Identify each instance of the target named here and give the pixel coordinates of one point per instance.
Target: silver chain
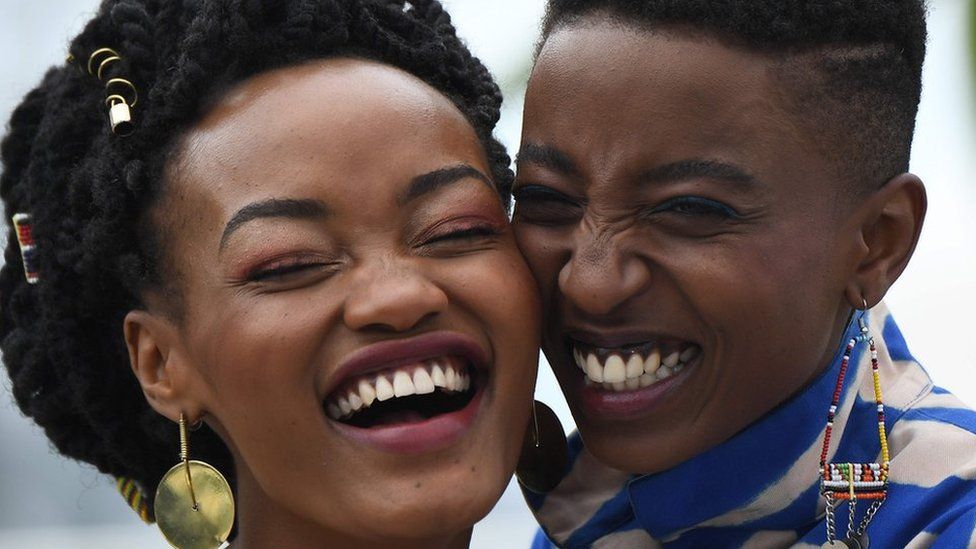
(831, 530)
(851, 509)
(869, 516)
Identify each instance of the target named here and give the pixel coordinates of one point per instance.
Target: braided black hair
(89, 192)
(851, 69)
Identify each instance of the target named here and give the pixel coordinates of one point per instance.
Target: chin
(432, 511)
(640, 448)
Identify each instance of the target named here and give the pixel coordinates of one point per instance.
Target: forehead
(337, 128)
(624, 90)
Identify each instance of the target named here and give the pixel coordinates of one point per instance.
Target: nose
(392, 296)
(600, 276)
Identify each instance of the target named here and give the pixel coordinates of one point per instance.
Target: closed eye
(469, 233)
(695, 206)
(543, 205)
(282, 270)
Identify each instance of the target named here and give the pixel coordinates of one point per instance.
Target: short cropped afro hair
(851, 69)
(88, 191)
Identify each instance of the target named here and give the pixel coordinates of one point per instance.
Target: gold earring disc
(184, 527)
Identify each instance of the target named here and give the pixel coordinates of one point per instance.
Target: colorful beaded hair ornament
(853, 482)
(28, 251)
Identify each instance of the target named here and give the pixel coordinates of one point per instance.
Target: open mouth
(406, 394)
(632, 367)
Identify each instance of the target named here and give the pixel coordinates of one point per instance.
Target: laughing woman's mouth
(406, 394)
(634, 366)
(630, 380)
(414, 395)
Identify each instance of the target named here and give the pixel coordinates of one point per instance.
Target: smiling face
(684, 234)
(358, 324)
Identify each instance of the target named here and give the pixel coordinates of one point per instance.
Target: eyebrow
(547, 157)
(695, 169)
(274, 207)
(432, 181)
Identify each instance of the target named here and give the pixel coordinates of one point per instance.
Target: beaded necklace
(852, 482)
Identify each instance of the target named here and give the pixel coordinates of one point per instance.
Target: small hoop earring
(194, 505)
(545, 454)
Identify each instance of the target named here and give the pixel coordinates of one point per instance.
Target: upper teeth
(448, 374)
(636, 371)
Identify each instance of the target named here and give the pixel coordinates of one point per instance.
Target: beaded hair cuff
(28, 251)
(134, 497)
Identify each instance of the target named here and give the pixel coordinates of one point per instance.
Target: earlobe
(157, 363)
(890, 224)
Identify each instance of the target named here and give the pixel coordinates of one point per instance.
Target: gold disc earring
(194, 505)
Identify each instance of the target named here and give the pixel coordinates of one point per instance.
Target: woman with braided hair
(283, 222)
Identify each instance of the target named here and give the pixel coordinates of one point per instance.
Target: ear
(890, 221)
(158, 362)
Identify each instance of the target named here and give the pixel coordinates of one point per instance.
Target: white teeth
(635, 366)
(614, 371)
(437, 376)
(636, 372)
(384, 391)
(653, 362)
(344, 406)
(354, 401)
(447, 375)
(422, 382)
(593, 369)
(647, 380)
(403, 385)
(579, 360)
(366, 392)
(334, 411)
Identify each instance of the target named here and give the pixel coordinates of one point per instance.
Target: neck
(264, 523)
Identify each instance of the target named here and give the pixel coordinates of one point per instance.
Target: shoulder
(933, 472)
(933, 440)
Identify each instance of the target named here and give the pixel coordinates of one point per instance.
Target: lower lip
(613, 405)
(436, 433)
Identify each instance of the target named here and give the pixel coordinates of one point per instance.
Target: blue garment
(761, 487)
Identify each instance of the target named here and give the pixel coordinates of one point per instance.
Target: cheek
(545, 252)
(259, 352)
(499, 289)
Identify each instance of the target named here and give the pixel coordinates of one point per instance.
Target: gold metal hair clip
(122, 94)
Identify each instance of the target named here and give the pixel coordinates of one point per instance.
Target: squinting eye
(468, 233)
(544, 206)
(695, 206)
(281, 270)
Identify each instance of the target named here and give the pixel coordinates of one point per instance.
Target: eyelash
(281, 269)
(477, 231)
(541, 193)
(542, 205)
(703, 206)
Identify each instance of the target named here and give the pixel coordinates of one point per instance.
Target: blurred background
(49, 502)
